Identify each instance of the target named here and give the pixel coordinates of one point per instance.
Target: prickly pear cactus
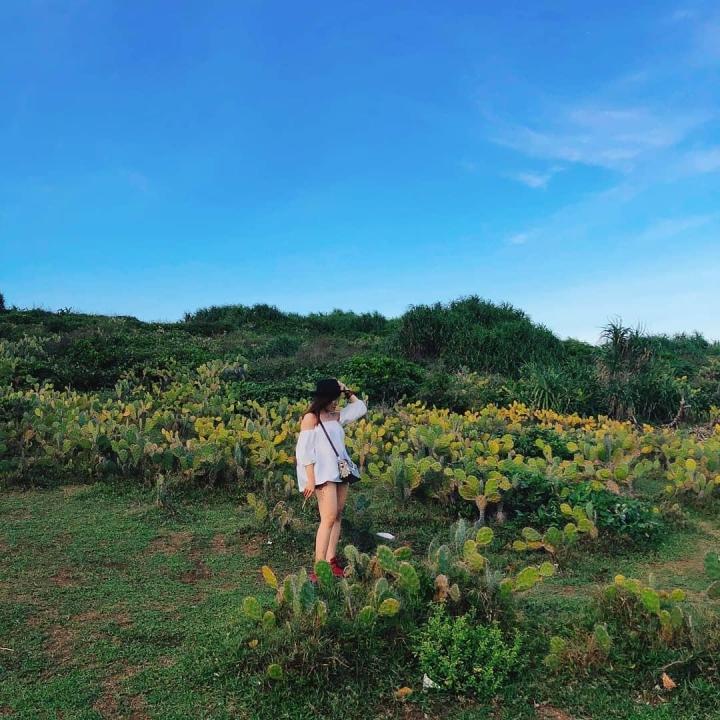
(407, 578)
(602, 637)
(251, 608)
(387, 559)
(556, 652)
(324, 573)
(661, 604)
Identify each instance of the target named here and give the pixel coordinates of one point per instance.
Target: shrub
(280, 345)
(464, 389)
(269, 318)
(525, 442)
(585, 650)
(569, 386)
(266, 392)
(477, 334)
(530, 494)
(383, 378)
(642, 614)
(619, 514)
(463, 656)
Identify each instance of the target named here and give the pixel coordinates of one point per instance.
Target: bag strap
(328, 437)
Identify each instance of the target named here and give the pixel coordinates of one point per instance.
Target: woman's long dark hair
(318, 404)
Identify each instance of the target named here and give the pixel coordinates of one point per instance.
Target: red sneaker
(337, 569)
(312, 577)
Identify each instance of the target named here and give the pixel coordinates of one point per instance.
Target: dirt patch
(548, 712)
(59, 644)
(35, 621)
(138, 708)
(252, 548)
(709, 528)
(171, 611)
(64, 577)
(42, 616)
(219, 545)
(90, 616)
(26, 599)
(199, 571)
(70, 490)
(691, 565)
(120, 618)
(107, 704)
(410, 712)
(169, 544)
(6, 711)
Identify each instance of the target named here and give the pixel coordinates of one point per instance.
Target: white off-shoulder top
(313, 447)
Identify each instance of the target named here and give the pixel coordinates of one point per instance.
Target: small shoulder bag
(348, 470)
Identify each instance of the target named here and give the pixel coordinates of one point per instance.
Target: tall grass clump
(476, 334)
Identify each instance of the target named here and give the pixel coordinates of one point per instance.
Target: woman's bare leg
(342, 491)
(327, 498)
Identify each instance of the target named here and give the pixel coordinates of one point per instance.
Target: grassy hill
(459, 355)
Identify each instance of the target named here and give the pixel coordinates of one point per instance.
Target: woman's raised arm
(354, 410)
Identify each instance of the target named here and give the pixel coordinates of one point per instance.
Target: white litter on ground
(386, 536)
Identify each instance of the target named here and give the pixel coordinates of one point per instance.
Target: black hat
(327, 388)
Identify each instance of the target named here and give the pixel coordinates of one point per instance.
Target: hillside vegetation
(461, 356)
(552, 509)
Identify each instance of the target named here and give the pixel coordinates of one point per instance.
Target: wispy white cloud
(615, 138)
(674, 227)
(653, 126)
(706, 160)
(535, 179)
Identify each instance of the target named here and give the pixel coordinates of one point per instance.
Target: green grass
(113, 608)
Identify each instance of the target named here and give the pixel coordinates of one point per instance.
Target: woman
(317, 464)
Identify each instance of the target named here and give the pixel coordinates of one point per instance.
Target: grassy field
(111, 607)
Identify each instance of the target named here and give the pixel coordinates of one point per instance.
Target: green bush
(525, 442)
(383, 378)
(619, 514)
(464, 390)
(268, 318)
(293, 389)
(465, 657)
(477, 334)
(530, 494)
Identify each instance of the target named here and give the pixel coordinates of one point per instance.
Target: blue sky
(562, 156)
